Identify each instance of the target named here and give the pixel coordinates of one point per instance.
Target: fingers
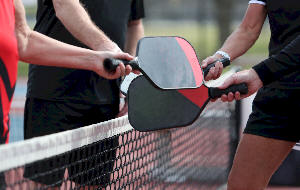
(128, 69)
(207, 61)
(232, 80)
(125, 56)
(122, 69)
(116, 74)
(231, 97)
(214, 72)
(125, 70)
(218, 69)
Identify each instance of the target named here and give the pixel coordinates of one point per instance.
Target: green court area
(203, 37)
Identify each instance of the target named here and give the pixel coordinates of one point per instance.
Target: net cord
(24, 152)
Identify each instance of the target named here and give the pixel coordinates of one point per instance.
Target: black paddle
(151, 108)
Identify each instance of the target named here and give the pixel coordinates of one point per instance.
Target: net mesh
(112, 155)
(196, 156)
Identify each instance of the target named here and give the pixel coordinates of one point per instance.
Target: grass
(202, 37)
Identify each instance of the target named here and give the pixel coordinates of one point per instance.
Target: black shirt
(282, 68)
(52, 83)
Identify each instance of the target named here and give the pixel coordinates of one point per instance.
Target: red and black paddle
(169, 62)
(151, 108)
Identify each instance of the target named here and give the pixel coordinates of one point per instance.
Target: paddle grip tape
(110, 64)
(217, 93)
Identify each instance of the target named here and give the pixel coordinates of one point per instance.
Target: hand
(249, 77)
(121, 70)
(214, 72)
(113, 47)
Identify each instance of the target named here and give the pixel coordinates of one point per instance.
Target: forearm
(277, 66)
(243, 38)
(239, 42)
(42, 50)
(75, 18)
(134, 33)
(36, 48)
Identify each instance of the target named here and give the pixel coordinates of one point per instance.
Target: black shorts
(43, 117)
(275, 114)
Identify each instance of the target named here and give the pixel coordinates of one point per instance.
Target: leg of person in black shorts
(47, 117)
(269, 136)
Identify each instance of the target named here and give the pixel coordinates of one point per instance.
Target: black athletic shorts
(275, 114)
(43, 117)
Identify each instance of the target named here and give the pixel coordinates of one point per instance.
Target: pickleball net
(112, 155)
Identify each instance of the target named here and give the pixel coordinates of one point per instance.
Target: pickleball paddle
(151, 108)
(169, 62)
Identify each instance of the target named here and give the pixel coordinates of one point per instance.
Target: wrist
(96, 61)
(264, 71)
(223, 54)
(256, 77)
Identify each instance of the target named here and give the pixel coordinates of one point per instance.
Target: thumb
(227, 83)
(125, 56)
(233, 79)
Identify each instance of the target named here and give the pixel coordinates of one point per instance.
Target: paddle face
(169, 62)
(151, 108)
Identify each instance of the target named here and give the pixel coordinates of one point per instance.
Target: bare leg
(256, 160)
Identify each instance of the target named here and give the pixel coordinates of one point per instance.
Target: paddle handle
(217, 93)
(224, 61)
(110, 64)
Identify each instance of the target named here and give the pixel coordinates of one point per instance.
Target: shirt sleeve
(137, 10)
(262, 2)
(276, 66)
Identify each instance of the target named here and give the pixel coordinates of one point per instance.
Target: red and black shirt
(8, 64)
